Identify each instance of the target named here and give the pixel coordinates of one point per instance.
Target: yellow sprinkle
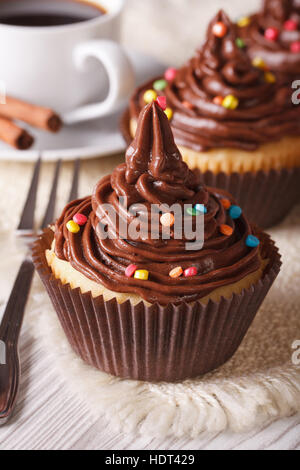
(150, 96)
(270, 77)
(73, 227)
(258, 63)
(169, 113)
(230, 102)
(141, 274)
(244, 21)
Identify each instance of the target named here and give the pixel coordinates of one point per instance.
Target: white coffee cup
(69, 68)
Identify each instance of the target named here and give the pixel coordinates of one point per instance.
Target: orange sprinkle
(225, 203)
(176, 272)
(226, 230)
(219, 29)
(218, 100)
(187, 105)
(167, 220)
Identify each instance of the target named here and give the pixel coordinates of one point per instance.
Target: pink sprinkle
(295, 47)
(272, 34)
(190, 272)
(291, 25)
(170, 74)
(80, 219)
(130, 270)
(162, 102)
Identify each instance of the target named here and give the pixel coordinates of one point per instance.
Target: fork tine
(27, 217)
(49, 214)
(74, 189)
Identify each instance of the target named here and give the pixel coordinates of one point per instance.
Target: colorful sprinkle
(219, 29)
(190, 272)
(192, 211)
(149, 96)
(271, 34)
(160, 85)
(130, 270)
(80, 219)
(226, 230)
(259, 63)
(187, 105)
(218, 100)
(73, 227)
(200, 208)
(167, 220)
(170, 74)
(295, 47)
(225, 203)
(235, 212)
(230, 102)
(240, 43)
(252, 241)
(162, 102)
(290, 25)
(244, 21)
(176, 272)
(141, 274)
(270, 77)
(169, 113)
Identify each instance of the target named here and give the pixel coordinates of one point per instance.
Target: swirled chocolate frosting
(277, 53)
(154, 173)
(221, 68)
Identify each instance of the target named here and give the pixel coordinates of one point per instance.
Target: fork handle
(9, 336)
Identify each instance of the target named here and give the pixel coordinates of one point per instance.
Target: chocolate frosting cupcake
(273, 35)
(150, 307)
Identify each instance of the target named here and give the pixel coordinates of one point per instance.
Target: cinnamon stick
(36, 116)
(14, 135)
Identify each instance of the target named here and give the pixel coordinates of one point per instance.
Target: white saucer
(91, 139)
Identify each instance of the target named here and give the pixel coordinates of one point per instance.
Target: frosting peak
(154, 169)
(218, 50)
(153, 150)
(222, 54)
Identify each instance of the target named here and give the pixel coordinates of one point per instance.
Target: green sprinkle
(192, 211)
(240, 43)
(160, 85)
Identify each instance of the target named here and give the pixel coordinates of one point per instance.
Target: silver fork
(14, 313)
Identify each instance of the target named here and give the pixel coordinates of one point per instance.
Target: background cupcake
(147, 307)
(233, 121)
(273, 36)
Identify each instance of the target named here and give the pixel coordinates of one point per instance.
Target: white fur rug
(259, 384)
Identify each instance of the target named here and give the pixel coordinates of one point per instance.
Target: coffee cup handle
(120, 73)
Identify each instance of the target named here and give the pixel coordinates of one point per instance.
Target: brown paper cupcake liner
(157, 343)
(265, 196)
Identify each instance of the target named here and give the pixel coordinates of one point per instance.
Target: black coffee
(47, 12)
